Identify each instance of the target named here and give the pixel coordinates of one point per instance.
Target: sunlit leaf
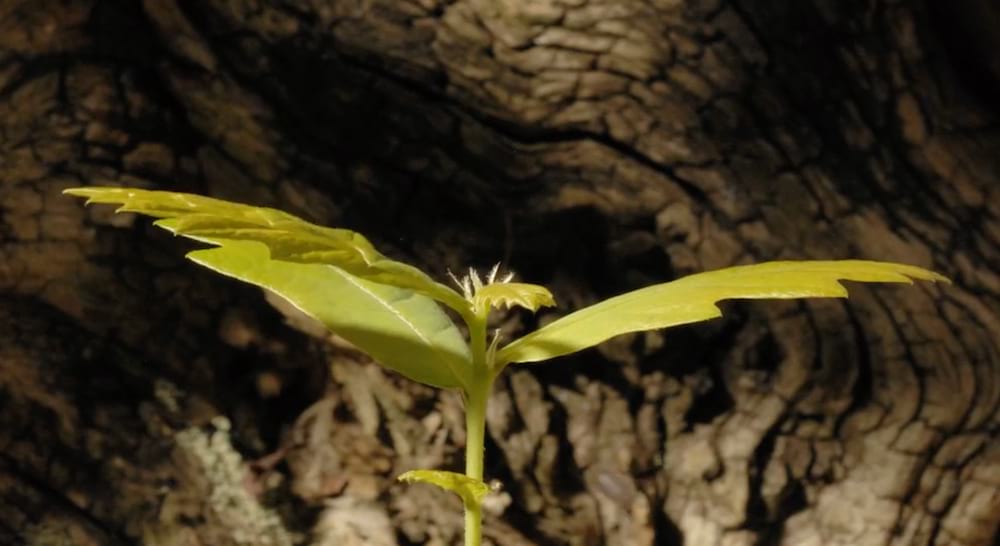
(529, 296)
(469, 489)
(401, 329)
(287, 237)
(694, 298)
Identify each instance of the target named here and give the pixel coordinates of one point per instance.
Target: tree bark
(596, 146)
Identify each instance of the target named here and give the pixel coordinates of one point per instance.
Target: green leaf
(693, 299)
(469, 489)
(404, 331)
(509, 294)
(287, 237)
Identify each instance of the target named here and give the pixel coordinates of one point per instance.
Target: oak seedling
(393, 311)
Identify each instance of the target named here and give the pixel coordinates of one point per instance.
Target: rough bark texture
(594, 145)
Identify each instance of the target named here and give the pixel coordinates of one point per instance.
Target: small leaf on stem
(470, 490)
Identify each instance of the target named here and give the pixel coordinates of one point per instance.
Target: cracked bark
(596, 146)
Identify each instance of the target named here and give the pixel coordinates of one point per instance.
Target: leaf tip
(937, 277)
(80, 192)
